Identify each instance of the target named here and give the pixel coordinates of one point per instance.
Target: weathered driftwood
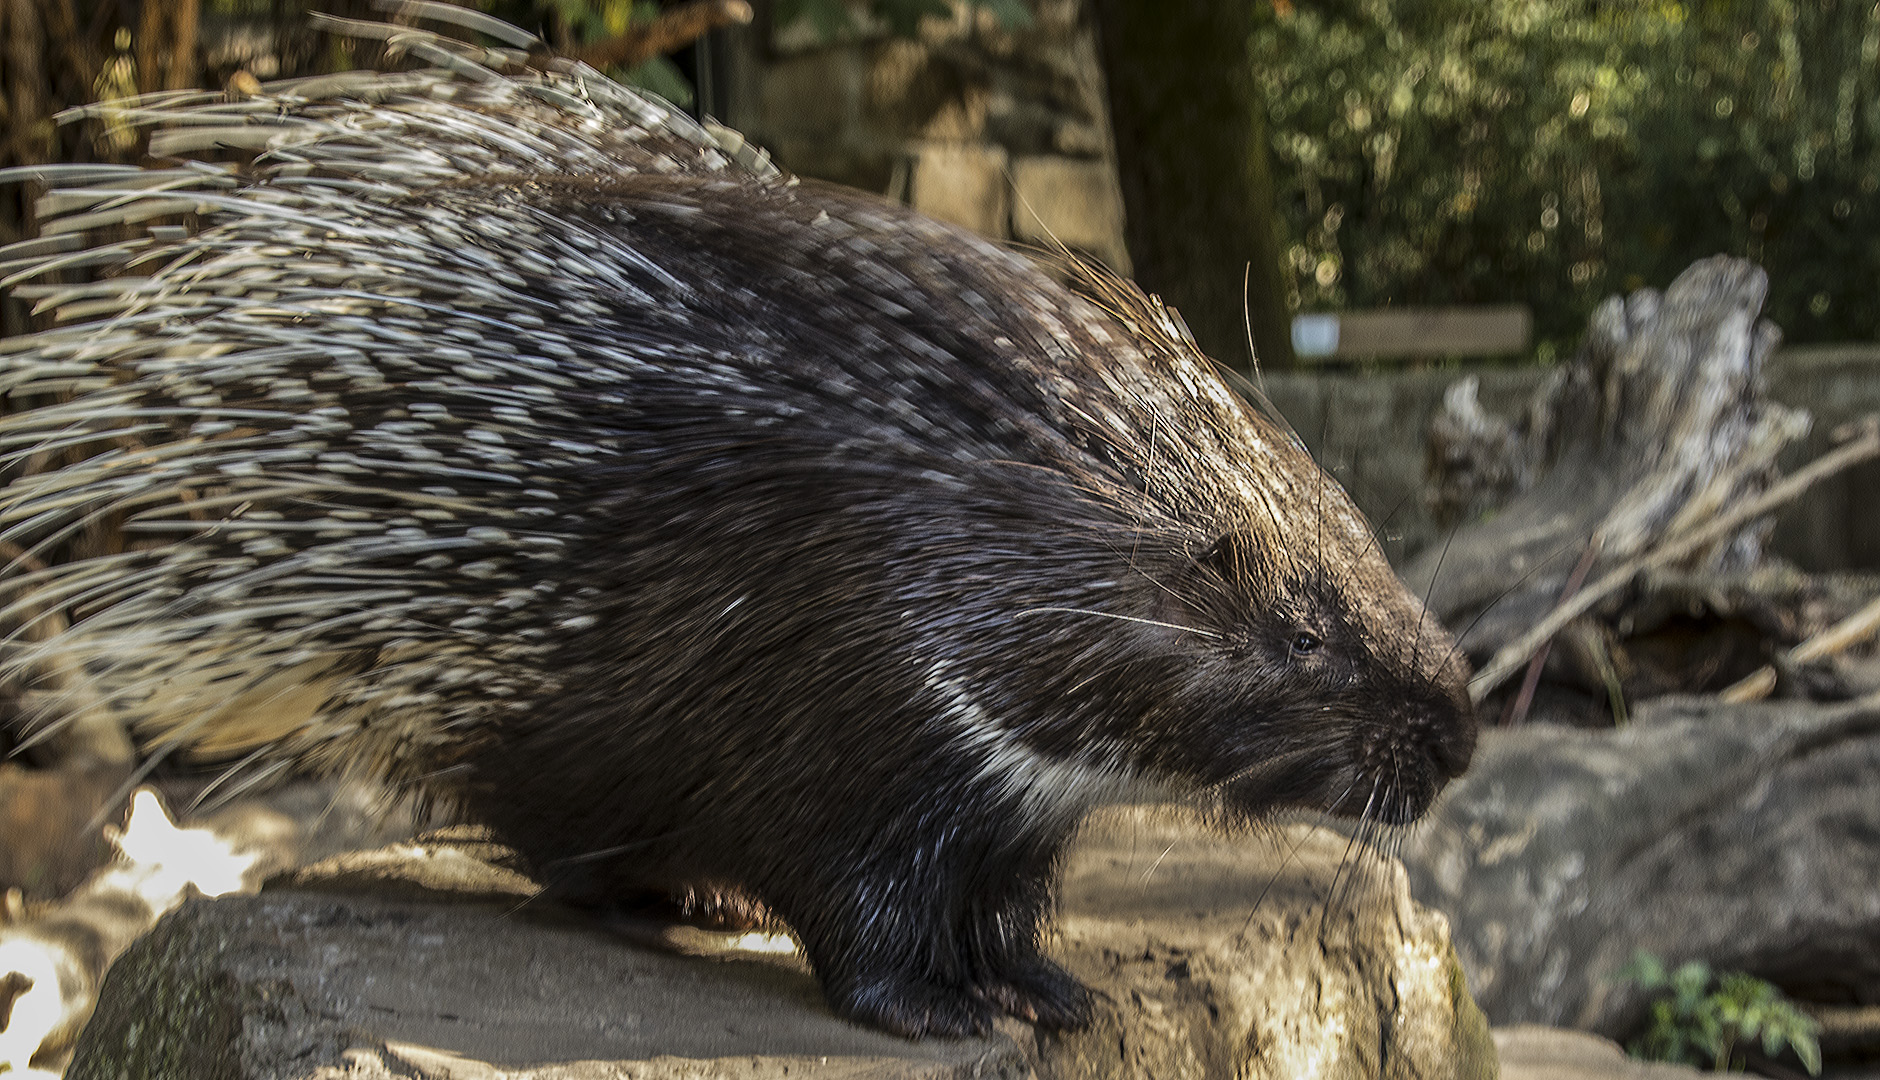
(1653, 450)
(1669, 551)
(1856, 628)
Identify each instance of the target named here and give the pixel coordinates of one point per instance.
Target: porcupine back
(512, 438)
(362, 359)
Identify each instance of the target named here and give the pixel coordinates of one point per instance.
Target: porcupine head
(516, 441)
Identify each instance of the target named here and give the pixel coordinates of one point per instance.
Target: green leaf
(1708, 1033)
(903, 16)
(1012, 14)
(1789, 1025)
(1774, 1038)
(1689, 983)
(1645, 969)
(1808, 1048)
(661, 77)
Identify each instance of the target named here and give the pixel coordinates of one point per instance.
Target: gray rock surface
(1746, 836)
(1218, 957)
(292, 984)
(1530, 1052)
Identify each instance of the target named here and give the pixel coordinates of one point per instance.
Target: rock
(298, 984)
(1217, 956)
(1530, 1052)
(1745, 836)
(1224, 957)
(50, 820)
(53, 954)
(963, 183)
(1072, 202)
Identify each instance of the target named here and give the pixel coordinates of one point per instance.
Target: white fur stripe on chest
(1044, 785)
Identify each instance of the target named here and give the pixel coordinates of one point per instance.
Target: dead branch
(1850, 631)
(672, 30)
(1512, 656)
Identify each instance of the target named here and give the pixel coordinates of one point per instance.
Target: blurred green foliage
(1702, 1018)
(834, 18)
(1555, 151)
(588, 21)
(596, 20)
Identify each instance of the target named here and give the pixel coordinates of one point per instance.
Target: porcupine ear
(1225, 557)
(1209, 587)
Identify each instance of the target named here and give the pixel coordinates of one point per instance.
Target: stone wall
(1006, 132)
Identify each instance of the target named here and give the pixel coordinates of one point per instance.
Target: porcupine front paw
(915, 1009)
(1036, 990)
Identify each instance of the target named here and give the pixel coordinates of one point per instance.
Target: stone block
(964, 183)
(1075, 202)
(812, 96)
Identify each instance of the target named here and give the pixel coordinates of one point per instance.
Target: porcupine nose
(1449, 729)
(1444, 718)
(1438, 725)
(1452, 748)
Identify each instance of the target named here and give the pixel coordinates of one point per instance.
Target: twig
(1518, 706)
(1755, 686)
(1761, 683)
(1855, 628)
(672, 30)
(1853, 1027)
(1510, 657)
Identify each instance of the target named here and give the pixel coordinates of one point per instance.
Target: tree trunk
(1193, 161)
(166, 45)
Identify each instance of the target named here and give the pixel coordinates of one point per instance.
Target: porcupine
(513, 439)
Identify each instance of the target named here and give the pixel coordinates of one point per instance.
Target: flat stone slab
(1533, 1052)
(1214, 956)
(271, 985)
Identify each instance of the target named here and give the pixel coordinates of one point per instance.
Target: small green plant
(1702, 1017)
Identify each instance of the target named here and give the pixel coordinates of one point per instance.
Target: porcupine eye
(1305, 643)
